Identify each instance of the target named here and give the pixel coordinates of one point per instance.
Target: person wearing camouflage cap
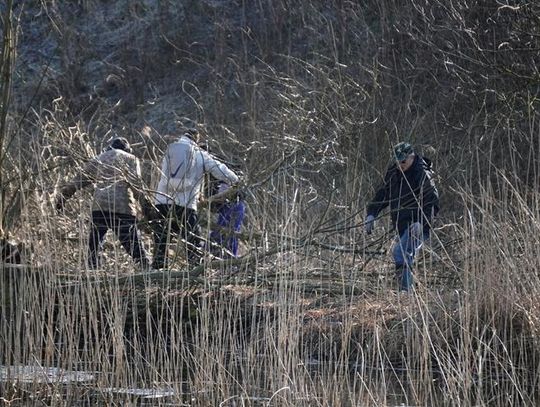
(410, 191)
(116, 175)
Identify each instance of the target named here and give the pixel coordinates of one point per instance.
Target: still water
(38, 385)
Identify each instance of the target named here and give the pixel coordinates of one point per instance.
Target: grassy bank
(294, 329)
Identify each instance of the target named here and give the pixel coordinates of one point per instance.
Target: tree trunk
(6, 70)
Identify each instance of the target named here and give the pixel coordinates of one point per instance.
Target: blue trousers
(404, 251)
(230, 218)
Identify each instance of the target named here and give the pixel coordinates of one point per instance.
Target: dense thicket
(304, 98)
(328, 84)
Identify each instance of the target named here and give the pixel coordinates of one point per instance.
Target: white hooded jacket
(182, 173)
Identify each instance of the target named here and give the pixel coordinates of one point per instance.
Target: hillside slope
(349, 76)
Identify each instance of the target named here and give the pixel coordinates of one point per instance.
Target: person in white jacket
(180, 186)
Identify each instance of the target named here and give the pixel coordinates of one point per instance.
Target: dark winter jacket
(412, 195)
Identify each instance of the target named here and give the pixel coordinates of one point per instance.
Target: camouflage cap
(402, 151)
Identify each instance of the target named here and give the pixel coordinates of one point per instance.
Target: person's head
(404, 155)
(121, 143)
(192, 134)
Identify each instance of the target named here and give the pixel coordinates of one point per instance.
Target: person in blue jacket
(410, 192)
(230, 216)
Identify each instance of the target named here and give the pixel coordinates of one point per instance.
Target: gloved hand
(369, 224)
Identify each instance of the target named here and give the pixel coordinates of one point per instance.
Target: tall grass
(305, 326)
(306, 100)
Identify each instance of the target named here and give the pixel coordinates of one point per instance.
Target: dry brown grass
(305, 99)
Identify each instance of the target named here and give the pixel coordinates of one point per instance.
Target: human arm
(369, 224)
(430, 196)
(139, 187)
(219, 169)
(382, 195)
(80, 181)
(378, 203)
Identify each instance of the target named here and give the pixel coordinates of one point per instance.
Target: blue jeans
(404, 252)
(230, 218)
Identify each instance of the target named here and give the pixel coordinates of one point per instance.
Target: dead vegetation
(304, 99)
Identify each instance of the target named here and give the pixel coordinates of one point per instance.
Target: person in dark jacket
(410, 191)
